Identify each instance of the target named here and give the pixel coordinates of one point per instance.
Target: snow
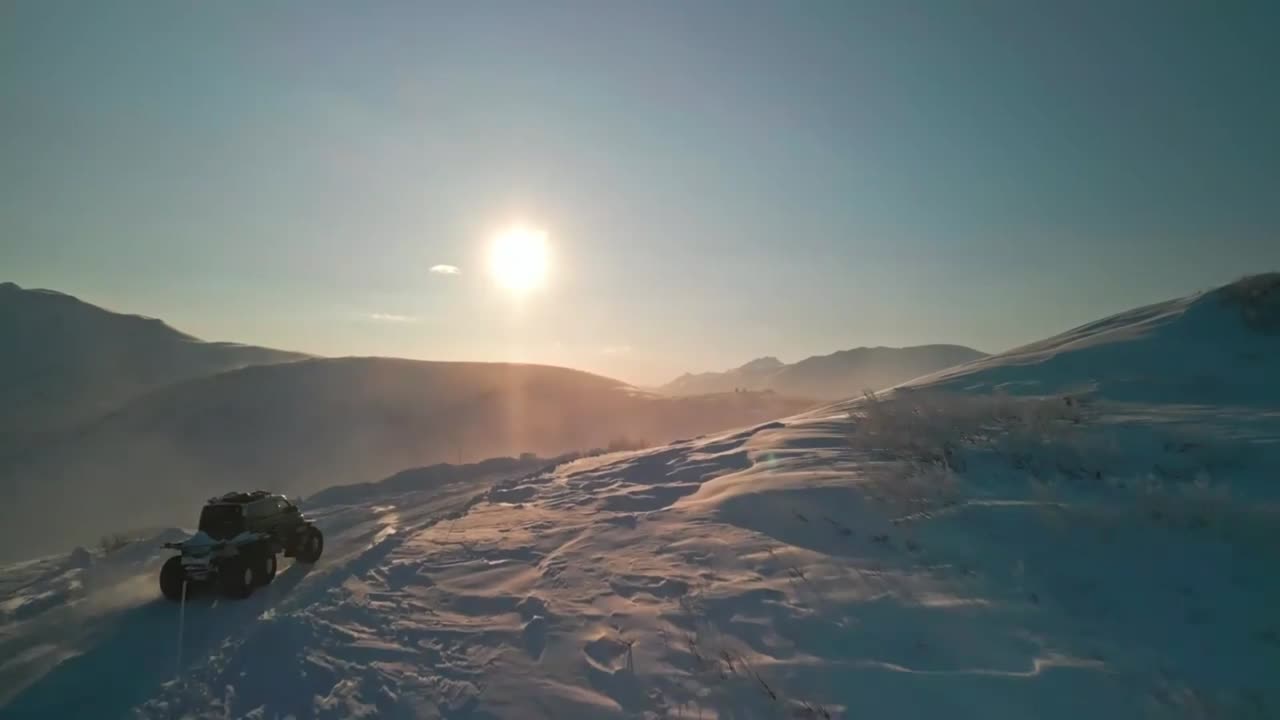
(1218, 347)
(301, 427)
(930, 552)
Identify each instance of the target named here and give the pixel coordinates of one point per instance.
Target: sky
(717, 180)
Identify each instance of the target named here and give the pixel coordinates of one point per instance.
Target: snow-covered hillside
(918, 555)
(786, 570)
(84, 636)
(301, 426)
(1217, 347)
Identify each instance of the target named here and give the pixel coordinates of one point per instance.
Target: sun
(519, 259)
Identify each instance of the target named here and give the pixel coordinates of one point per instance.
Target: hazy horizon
(785, 359)
(716, 182)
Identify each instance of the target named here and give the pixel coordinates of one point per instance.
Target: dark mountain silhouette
(63, 361)
(113, 418)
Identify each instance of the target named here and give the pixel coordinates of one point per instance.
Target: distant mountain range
(1162, 493)
(107, 415)
(829, 377)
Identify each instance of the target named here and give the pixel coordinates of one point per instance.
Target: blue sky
(718, 180)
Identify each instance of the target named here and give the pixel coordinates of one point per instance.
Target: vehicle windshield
(221, 521)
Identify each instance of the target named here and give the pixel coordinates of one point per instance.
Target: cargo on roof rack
(238, 497)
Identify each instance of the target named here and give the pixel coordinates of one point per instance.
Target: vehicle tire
(267, 563)
(310, 545)
(172, 576)
(238, 576)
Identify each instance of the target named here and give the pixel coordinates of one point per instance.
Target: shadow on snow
(137, 653)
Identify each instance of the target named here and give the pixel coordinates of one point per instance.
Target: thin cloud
(391, 318)
(446, 270)
(616, 349)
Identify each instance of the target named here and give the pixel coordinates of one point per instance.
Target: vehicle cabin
(228, 515)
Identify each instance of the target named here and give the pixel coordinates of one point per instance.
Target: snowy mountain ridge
(1218, 347)
(934, 551)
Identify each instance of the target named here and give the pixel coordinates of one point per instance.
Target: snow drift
(926, 553)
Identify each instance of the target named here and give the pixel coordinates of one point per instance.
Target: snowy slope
(100, 617)
(302, 426)
(779, 571)
(1218, 347)
(919, 555)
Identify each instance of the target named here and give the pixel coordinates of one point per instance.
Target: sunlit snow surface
(918, 556)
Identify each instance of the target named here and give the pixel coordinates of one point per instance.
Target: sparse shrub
(1043, 437)
(80, 558)
(1258, 298)
(928, 427)
(1046, 447)
(621, 444)
(111, 543)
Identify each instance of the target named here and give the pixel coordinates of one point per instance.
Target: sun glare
(519, 259)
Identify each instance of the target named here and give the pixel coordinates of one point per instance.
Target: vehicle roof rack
(236, 497)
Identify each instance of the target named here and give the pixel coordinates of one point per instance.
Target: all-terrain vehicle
(236, 545)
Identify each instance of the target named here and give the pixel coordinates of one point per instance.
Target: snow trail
(1099, 543)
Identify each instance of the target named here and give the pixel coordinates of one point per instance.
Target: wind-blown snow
(779, 571)
(300, 427)
(924, 554)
